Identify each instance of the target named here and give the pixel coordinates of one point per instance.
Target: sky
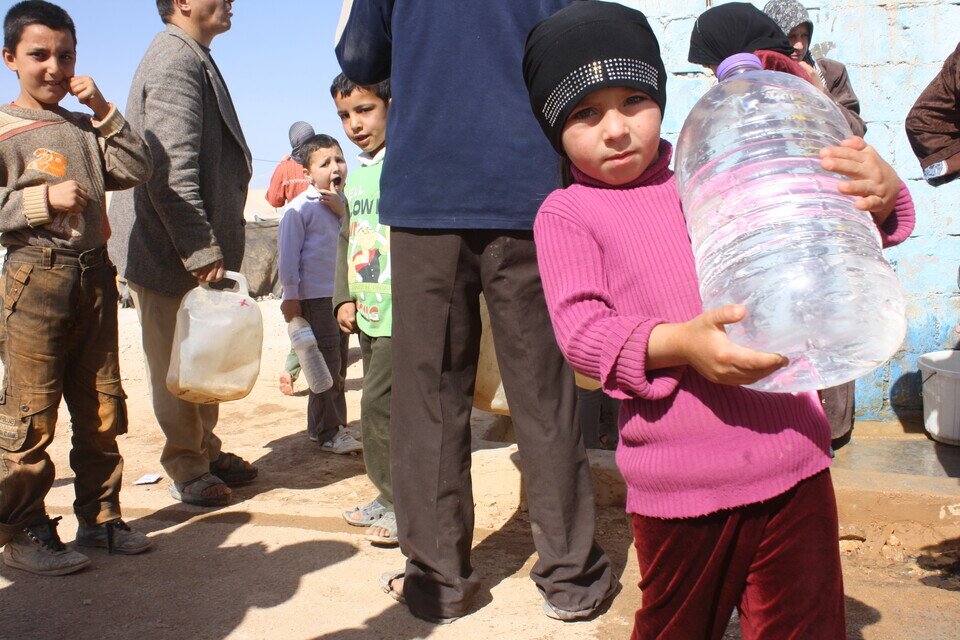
(277, 59)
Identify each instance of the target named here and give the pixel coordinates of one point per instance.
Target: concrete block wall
(892, 50)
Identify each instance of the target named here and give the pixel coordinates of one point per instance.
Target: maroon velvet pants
(777, 561)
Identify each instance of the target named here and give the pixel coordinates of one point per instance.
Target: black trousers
(437, 281)
(328, 410)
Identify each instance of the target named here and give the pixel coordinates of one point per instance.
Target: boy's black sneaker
(115, 536)
(38, 549)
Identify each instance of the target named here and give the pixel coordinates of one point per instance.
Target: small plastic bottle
(311, 360)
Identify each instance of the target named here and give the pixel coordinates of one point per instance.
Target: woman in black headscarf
(739, 27)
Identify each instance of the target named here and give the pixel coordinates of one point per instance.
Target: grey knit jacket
(190, 212)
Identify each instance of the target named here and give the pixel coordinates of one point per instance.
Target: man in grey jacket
(185, 225)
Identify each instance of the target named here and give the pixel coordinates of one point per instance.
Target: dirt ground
(281, 563)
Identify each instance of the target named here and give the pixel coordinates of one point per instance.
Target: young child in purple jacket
(308, 256)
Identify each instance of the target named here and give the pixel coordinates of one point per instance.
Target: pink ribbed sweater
(616, 262)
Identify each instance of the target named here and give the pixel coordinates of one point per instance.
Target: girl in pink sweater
(729, 488)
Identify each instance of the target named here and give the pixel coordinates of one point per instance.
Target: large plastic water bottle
(312, 364)
(771, 231)
(216, 344)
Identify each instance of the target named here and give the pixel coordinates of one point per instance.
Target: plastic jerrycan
(217, 344)
(488, 394)
(771, 231)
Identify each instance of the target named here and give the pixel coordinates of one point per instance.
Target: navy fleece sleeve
(364, 40)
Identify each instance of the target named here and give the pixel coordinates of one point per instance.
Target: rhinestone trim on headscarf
(595, 73)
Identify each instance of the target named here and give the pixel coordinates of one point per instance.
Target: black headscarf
(732, 28)
(585, 47)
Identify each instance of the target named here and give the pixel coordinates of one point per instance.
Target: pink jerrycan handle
(242, 287)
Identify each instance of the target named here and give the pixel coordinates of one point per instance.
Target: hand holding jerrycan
(771, 231)
(217, 344)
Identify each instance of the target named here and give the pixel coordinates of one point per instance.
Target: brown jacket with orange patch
(39, 149)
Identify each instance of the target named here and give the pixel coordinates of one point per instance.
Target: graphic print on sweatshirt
(369, 255)
(64, 225)
(49, 161)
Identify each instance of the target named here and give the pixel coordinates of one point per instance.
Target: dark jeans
(777, 561)
(328, 410)
(60, 340)
(437, 281)
(377, 355)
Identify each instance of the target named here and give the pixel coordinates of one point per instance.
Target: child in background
(363, 294)
(794, 19)
(308, 251)
(728, 487)
(60, 302)
(287, 182)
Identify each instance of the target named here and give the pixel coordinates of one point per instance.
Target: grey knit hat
(788, 14)
(299, 133)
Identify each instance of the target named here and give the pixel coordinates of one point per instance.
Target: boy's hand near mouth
(333, 196)
(85, 90)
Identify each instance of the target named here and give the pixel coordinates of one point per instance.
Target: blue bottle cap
(738, 61)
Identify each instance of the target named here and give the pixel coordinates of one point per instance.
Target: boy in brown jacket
(59, 319)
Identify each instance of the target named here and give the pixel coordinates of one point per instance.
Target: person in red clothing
(729, 488)
(288, 180)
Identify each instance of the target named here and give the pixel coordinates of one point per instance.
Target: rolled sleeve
(626, 370)
(35, 207)
(899, 225)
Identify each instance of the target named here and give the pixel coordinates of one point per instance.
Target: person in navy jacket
(467, 171)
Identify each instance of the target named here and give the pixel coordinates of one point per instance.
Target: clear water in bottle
(771, 231)
(312, 364)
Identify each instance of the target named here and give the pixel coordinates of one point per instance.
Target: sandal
(233, 469)
(366, 515)
(387, 522)
(386, 583)
(193, 491)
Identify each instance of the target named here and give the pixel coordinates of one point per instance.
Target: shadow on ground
(193, 584)
(294, 462)
(504, 553)
(943, 562)
(859, 616)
